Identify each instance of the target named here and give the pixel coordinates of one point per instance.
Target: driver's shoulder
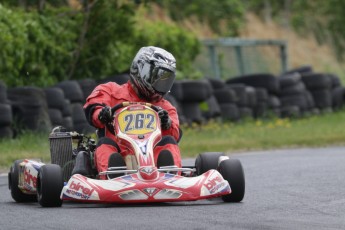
(112, 86)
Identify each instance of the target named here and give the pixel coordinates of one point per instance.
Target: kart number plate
(138, 122)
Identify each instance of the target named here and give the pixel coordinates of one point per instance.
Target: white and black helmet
(152, 72)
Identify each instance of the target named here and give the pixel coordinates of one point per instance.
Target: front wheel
(13, 181)
(206, 161)
(49, 185)
(232, 171)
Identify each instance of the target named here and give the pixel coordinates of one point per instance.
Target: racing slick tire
(49, 185)
(232, 171)
(206, 161)
(13, 179)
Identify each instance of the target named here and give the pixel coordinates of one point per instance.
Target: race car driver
(152, 75)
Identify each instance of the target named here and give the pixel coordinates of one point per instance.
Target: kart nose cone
(148, 173)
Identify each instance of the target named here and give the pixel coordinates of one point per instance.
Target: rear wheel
(232, 171)
(206, 161)
(49, 186)
(13, 180)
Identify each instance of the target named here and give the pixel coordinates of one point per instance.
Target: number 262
(139, 121)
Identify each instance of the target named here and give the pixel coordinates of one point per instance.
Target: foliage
(34, 47)
(212, 12)
(107, 48)
(33, 3)
(100, 38)
(42, 48)
(323, 19)
(183, 45)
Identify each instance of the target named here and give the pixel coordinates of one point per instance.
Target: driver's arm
(100, 97)
(174, 129)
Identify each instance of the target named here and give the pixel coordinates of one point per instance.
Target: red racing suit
(110, 94)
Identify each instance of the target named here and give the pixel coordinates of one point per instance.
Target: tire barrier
(76, 93)
(29, 108)
(119, 79)
(298, 92)
(217, 83)
(6, 116)
(261, 108)
(59, 108)
(320, 86)
(67, 110)
(301, 70)
(338, 95)
(6, 121)
(229, 112)
(225, 95)
(177, 105)
(3, 93)
(241, 94)
(290, 111)
(194, 92)
(316, 81)
(177, 91)
(55, 98)
(267, 81)
(72, 91)
(6, 132)
(212, 110)
(80, 123)
(87, 86)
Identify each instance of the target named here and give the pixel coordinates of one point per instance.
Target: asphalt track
(285, 189)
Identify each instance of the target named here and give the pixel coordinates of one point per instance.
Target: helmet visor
(162, 79)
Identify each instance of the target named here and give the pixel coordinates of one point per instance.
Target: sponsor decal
(30, 181)
(214, 184)
(76, 189)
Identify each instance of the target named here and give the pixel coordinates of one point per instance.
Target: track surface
(286, 189)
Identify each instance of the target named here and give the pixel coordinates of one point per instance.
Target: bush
(183, 45)
(59, 43)
(35, 48)
(108, 43)
(224, 17)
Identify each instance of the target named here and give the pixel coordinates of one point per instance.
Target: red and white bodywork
(137, 127)
(28, 172)
(164, 187)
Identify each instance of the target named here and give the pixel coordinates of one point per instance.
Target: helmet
(152, 73)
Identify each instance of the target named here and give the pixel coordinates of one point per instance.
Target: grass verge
(315, 131)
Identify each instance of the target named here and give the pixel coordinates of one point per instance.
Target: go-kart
(138, 180)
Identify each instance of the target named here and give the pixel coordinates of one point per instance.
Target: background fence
(228, 57)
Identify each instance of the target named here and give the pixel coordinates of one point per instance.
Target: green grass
(322, 130)
(27, 145)
(316, 131)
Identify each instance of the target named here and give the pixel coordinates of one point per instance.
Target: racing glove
(105, 115)
(165, 119)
